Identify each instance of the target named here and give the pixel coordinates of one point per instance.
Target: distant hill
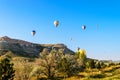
(25, 48)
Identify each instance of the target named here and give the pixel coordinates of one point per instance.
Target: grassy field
(109, 73)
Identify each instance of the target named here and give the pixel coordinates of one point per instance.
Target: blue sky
(19, 17)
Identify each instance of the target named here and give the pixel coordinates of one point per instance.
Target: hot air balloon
(83, 27)
(71, 39)
(56, 23)
(97, 26)
(33, 32)
(78, 49)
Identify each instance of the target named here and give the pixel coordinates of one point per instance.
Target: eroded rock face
(24, 48)
(19, 47)
(10, 40)
(58, 46)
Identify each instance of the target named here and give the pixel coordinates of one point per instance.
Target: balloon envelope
(83, 27)
(33, 32)
(97, 26)
(78, 49)
(56, 23)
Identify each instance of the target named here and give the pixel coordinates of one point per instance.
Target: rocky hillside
(24, 48)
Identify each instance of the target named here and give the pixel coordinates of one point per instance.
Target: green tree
(90, 64)
(103, 65)
(6, 70)
(98, 65)
(68, 65)
(49, 62)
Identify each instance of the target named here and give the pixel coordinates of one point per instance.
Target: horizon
(100, 38)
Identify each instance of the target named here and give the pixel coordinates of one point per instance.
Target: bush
(98, 65)
(23, 69)
(68, 65)
(90, 64)
(6, 70)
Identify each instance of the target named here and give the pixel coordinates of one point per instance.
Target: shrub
(90, 64)
(68, 65)
(98, 65)
(6, 70)
(23, 69)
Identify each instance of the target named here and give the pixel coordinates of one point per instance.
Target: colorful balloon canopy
(33, 32)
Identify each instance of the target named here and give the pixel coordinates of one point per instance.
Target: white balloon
(83, 27)
(56, 23)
